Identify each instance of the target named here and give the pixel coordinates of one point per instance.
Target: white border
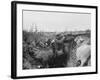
(35, 72)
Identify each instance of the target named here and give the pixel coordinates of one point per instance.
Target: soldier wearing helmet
(59, 41)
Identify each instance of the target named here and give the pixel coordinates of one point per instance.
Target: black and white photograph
(54, 39)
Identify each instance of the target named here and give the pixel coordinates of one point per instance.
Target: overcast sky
(56, 21)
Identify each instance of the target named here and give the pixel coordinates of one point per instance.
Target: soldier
(59, 41)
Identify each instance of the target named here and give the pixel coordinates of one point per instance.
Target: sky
(56, 21)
